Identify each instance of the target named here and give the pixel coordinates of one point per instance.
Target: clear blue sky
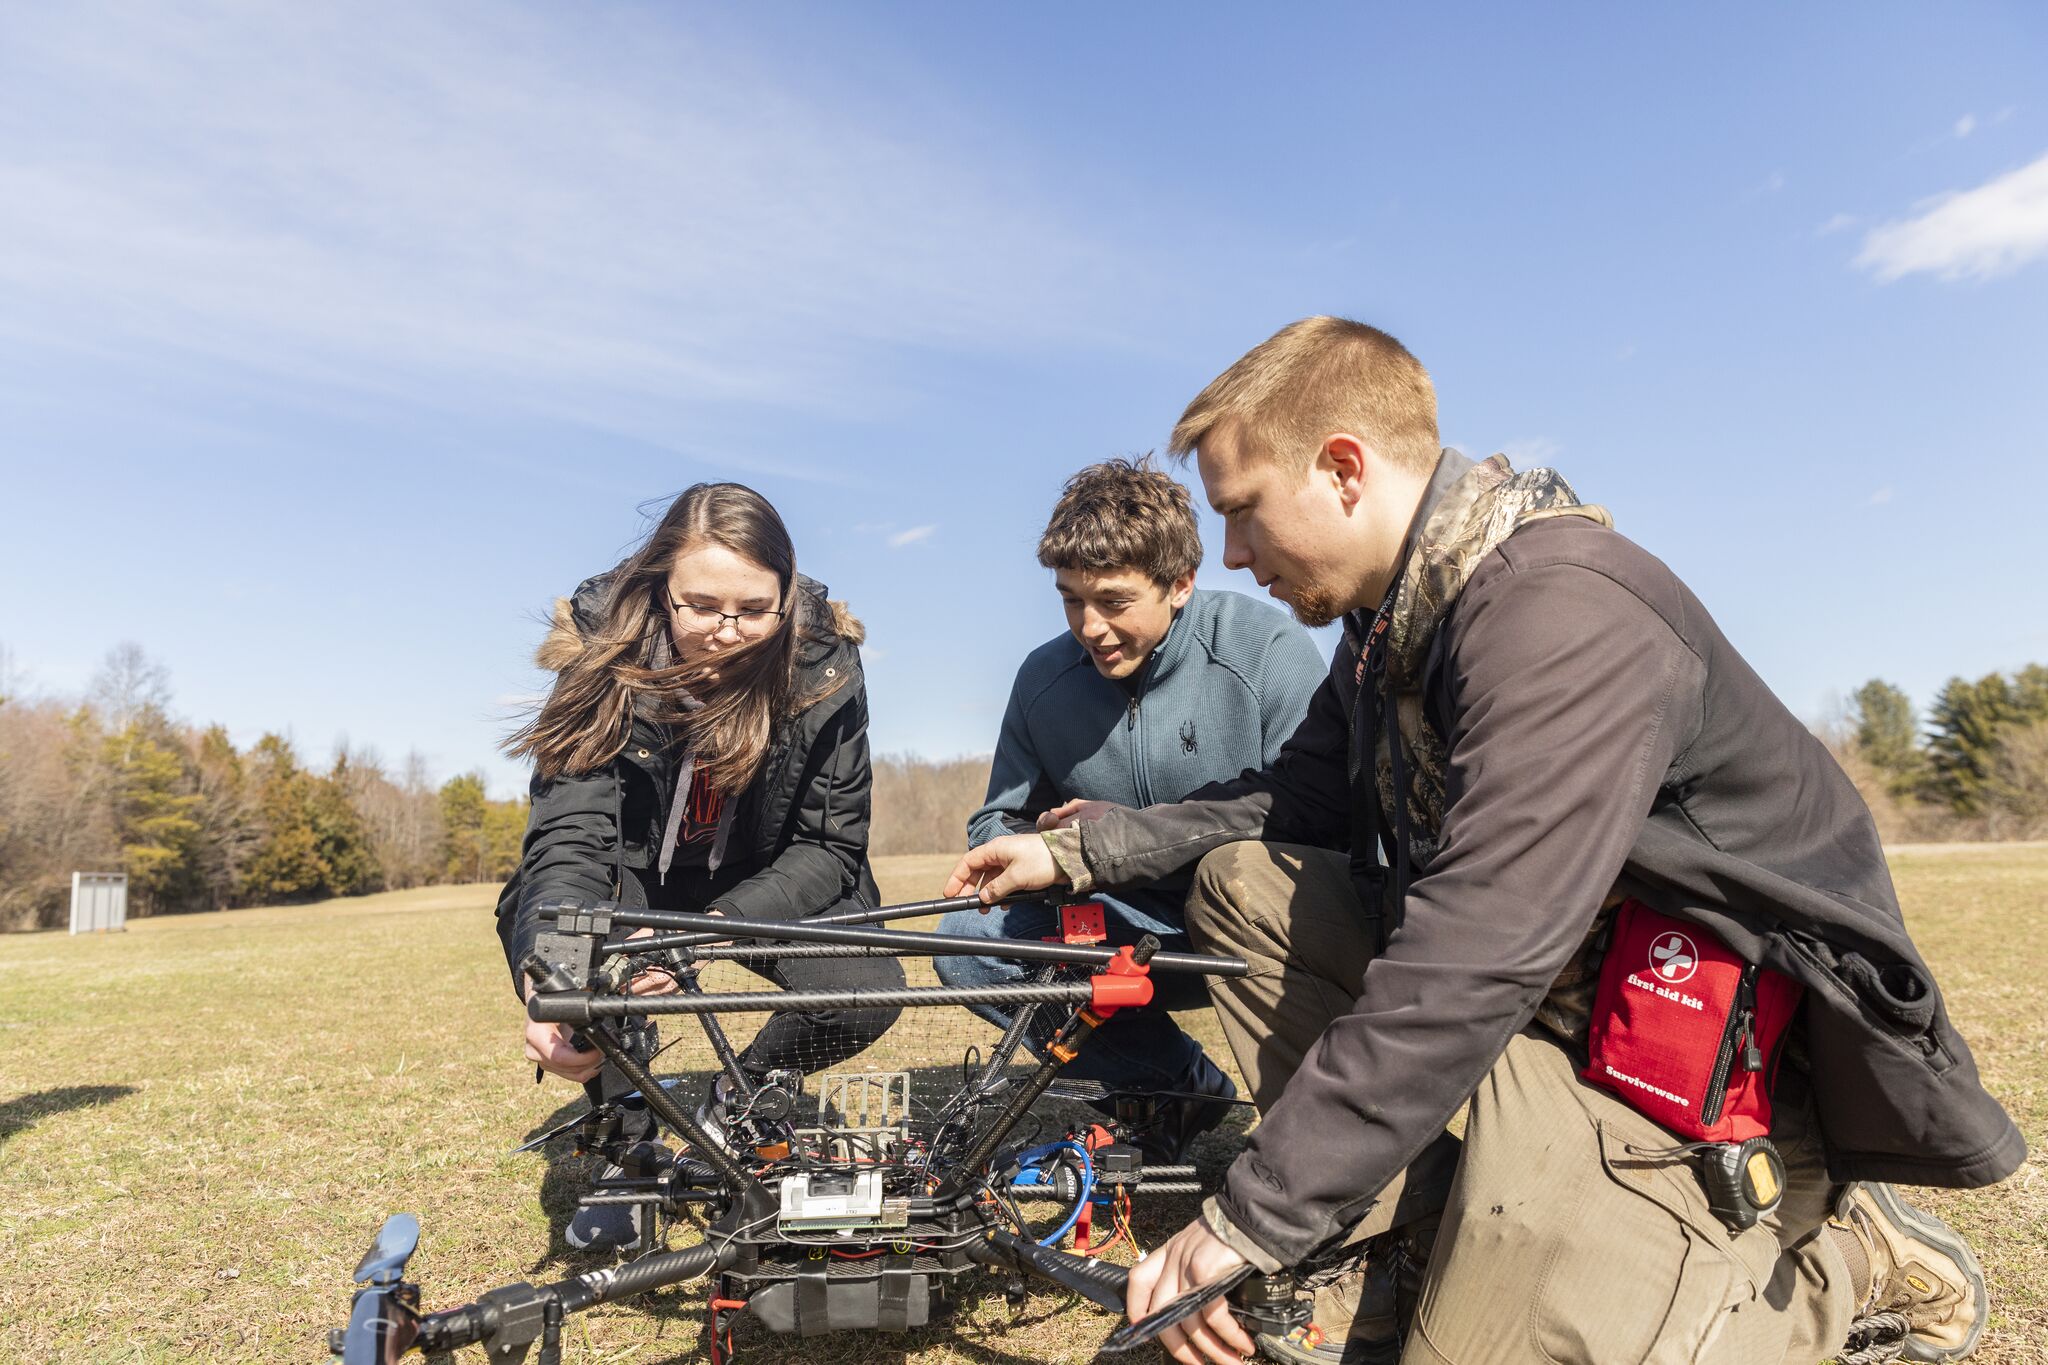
(336, 339)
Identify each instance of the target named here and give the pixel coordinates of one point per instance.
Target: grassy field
(203, 1120)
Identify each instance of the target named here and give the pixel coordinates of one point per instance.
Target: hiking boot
(1198, 1104)
(1907, 1262)
(606, 1227)
(745, 1131)
(714, 1118)
(1354, 1322)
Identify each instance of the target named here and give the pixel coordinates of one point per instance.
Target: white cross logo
(1673, 958)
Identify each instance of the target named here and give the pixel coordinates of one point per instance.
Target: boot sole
(1931, 1230)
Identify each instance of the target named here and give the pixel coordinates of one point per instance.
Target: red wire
(718, 1356)
(1116, 1234)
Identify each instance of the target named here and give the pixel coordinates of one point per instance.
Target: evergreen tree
(286, 864)
(342, 839)
(503, 833)
(1888, 737)
(1969, 719)
(465, 847)
(2030, 694)
(155, 809)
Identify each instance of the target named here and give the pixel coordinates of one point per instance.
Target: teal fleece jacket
(1219, 696)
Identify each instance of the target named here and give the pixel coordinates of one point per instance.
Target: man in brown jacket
(1529, 719)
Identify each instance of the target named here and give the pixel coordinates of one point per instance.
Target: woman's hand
(655, 980)
(552, 1047)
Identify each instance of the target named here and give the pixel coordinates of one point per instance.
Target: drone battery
(834, 1200)
(886, 1301)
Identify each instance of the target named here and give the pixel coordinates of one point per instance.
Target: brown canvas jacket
(1602, 734)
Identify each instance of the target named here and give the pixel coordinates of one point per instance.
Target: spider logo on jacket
(1187, 736)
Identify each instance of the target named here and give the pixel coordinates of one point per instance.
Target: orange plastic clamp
(1114, 991)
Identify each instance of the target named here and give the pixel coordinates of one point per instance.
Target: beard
(1316, 606)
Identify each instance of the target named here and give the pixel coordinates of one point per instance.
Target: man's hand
(1002, 867)
(1070, 813)
(1191, 1258)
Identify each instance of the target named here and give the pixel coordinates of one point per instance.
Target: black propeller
(1134, 1334)
(551, 1134)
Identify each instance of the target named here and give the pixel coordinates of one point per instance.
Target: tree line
(921, 804)
(111, 782)
(1974, 767)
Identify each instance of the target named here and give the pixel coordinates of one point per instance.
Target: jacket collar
(1451, 466)
(1167, 654)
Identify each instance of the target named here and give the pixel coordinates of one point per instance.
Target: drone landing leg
(721, 1046)
(1057, 1054)
(712, 1154)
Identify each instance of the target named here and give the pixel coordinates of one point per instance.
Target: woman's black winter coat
(799, 840)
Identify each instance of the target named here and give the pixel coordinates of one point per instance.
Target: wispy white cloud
(911, 536)
(1880, 497)
(1991, 230)
(1841, 222)
(1529, 451)
(471, 205)
(1770, 184)
(1966, 125)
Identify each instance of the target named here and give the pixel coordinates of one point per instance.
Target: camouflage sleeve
(1220, 1226)
(1065, 846)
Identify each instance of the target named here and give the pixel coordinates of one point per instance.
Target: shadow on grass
(25, 1111)
(567, 1176)
(950, 1327)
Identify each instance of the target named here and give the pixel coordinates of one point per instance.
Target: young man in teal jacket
(1156, 689)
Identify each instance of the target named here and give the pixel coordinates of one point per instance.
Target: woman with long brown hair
(704, 748)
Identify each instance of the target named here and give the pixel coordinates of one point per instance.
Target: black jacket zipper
(1739, 1035)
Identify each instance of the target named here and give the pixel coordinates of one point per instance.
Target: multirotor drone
(862, 1198)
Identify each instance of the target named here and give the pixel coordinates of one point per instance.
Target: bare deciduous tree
(403, 817)
(2019, 777)
(128, 686)
(921, 805)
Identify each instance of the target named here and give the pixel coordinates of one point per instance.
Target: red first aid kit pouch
(1684, 1030)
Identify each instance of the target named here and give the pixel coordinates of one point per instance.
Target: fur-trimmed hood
(826, 624)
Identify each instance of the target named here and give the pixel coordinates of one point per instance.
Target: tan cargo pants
(1561, 1240)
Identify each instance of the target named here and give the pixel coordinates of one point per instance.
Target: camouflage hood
(1486, 505)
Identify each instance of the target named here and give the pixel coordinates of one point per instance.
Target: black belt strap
(892, 1312)
(812, 1317)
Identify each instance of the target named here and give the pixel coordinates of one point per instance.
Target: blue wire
(1087, 1189)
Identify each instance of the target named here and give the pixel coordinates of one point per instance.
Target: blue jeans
(1135, 1049)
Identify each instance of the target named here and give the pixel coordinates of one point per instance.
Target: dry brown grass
(202, 1121)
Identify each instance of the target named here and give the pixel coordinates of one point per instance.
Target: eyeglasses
(710, 620)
